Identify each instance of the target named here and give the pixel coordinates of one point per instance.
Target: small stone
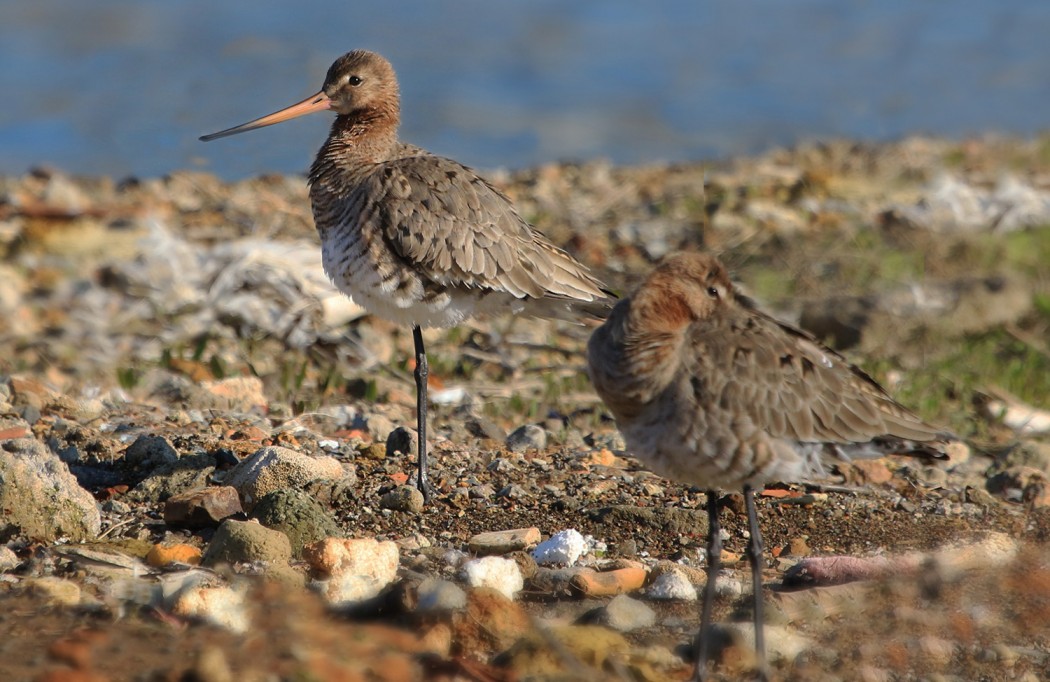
(607, 583)
(696, 576)
(625, 614)
(513, 492)
(527, 437)
(221, 606)
(8, 559)
(404, 498)
(149, 452)
(798, 547)
(502, 575)
(436, 595)
(202, 507)
(375, 452)
(356, 569)
(55, 591)
(503, 541)
(162, 555)
(938, 651)
(672, 586)
(564, 547)
(554, 582)
(247, 541)
(402, 441)
(297, 515)
(40, 498)
(273, 468)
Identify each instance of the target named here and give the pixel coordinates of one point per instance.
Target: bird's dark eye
(354, 80)
(713, 292)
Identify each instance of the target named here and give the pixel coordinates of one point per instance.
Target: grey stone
(273, 468)
(40, 498)
(401, 440)
(404, 498)
(182, 475)
(247, 541)
(527, 437)
(298, 516)
(436, 595)
(149, 452)
(625, 614)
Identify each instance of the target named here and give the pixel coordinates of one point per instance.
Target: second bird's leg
(714, 560)
(754, 551)
(421, 373)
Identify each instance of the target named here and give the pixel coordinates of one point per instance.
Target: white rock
(40, 497)
(502, 575)
(564, 547)
(672, 585)
(273, 468)
(222, 606)
(8, 559)
(358, 569)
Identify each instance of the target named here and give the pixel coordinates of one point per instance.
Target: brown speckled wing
(449, 224)
(790, 385)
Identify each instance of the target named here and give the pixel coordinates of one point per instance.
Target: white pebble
(502, 575)
(564, 548)
(672, 585)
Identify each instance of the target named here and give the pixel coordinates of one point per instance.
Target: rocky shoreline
(203, 468)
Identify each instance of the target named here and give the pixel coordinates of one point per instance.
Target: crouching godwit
(413, 237)
(708, 390)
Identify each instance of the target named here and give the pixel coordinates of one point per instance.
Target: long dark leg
(754, 551)
(714, 560)
(421, 373)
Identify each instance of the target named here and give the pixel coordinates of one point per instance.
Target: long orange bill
(318, 102)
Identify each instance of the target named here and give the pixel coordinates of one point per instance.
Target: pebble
(404, 498)
(202, 507)
(275, 467)
(149, 452)
(352, 570)
(527, 437)
(437, 595)
(298, 515)
(402, 441)
(162, 555)
(563, 548)
(672, 585)
(247, 541)
(504, 541)
(625, 614)
(608, 583)
(497, 573)
(9, 561)
(554, 582)
(40, 497)
(221, 606)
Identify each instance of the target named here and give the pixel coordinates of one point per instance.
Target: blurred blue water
(125, 86)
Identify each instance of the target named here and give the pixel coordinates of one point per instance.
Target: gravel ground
(202, 444)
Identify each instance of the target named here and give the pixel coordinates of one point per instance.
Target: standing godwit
(708, 390)
(413, 237)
